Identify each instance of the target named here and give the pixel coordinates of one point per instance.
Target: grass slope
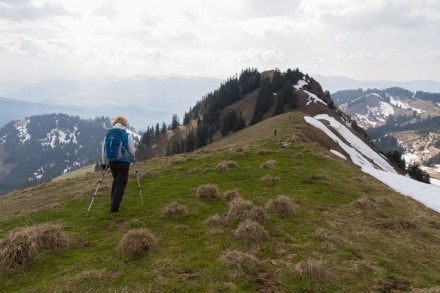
(348, 232)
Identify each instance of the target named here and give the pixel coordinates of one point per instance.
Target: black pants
(120, 177)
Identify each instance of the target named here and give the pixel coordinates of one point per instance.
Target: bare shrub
(240, 261)
(314, 270)
(231, 195)
(269, 179)
(174, 210)
(208, 192)
(282, 205)
(21, 245)
(137, 241)
(270, 164)
(226, 165)
(216, 220)
(251, 232)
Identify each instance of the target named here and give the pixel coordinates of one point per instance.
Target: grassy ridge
(349, 232)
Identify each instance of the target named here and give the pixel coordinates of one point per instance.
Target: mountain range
(144, 100)
(42, 147)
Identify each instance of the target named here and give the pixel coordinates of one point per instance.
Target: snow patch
(312, 97)
(338, 154)
(362, 155)
(23, 134)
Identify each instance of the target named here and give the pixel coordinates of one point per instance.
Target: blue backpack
(116, 144)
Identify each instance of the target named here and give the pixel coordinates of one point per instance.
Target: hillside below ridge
(346, 230)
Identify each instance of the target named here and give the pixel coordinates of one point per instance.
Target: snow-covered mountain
(397, 118)
(358, 152)
(372, 107)
(42, 147)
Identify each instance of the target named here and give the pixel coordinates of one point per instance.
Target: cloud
(373, 15)
(27, 10)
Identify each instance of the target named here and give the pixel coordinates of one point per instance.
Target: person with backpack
(117, 153)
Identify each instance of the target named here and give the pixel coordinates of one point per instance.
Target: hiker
(118, 158)
(275, 131)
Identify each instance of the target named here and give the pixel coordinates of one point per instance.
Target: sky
(75, 39)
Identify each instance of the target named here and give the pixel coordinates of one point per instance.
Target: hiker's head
(121, 120)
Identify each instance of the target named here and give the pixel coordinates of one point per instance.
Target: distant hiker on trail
(275, 131)
(117, 153)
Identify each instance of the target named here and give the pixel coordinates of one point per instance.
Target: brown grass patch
(21, 245)
(282, 205)
(226, 165)
(270, 164)
(240, 261)
(231, 195)
(208, 192)
(269, 179)
(174, 210)
(137, 241)
(251, 232)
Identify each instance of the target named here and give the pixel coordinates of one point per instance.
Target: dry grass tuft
(400, 223)
(263, 152)
(364, 203)
(216, 221)
(360, 266)
(151, 174)
(240, 261)
(270, 164)
(239, 209)
(269, 179)
(22, 245)
(174, 210)
(137, 241)
(318, 178)
(314, 270)
(251, 232)
(226, 165)
(231, 195)
(258, 215)
(282, 205)
(208, 192)
(178, 159)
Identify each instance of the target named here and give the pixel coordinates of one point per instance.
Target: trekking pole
(139, 184)
(96, 191)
